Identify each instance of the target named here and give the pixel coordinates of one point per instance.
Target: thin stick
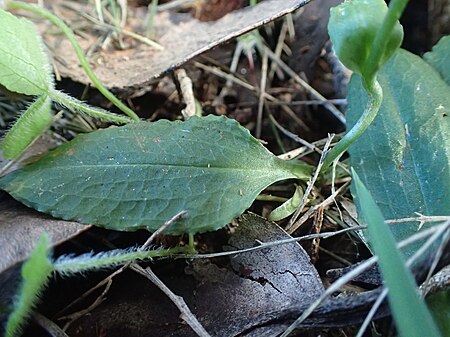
(421, 218)
(324, 203)
(48, 325)
(330, 107)
(186, 313)
(372, 312)
(169, 222)
(310, 185)
(262, 90)
(265, 245)
(77, 315)
(294, 136)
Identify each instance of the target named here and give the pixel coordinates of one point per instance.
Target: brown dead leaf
(21, 227)
(181, 36)
(227, 295)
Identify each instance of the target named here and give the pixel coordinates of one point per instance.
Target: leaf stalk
(75, 105)
(375, 93)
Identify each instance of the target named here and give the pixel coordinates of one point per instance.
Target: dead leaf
(21, 227)
(227, 295)
(181, 36)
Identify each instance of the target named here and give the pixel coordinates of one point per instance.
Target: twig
(324, 203)
(265, 245)
(372, 312)
(310, 185)
(186, 313)
(294, 136)
(421, 218)
(169, 222)
(76, 315)
(304, 150)
(279, 49)
(48, 325)
(306, 86)
(262, 90)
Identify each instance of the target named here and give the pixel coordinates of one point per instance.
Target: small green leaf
(439, 58)
(24, 65)
(35, 272)
(352, 28)
(30, 125)
(287, 208)
(143, 174)
(409, 310)
(404, 156)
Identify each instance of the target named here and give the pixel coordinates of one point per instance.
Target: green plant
(407, 103)
(40, 266)
(210, 169)
(25, 69)
(146, 173)
(408, 308)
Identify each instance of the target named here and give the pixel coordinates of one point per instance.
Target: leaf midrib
(253, 169)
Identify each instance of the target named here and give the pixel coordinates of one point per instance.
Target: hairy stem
(75, 105)
(80, 54)
(67, 265)
(375, 93)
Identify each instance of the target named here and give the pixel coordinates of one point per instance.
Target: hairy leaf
(24, 66)
(30, 125)
(404, 156)
(35, 272)
(141, 175)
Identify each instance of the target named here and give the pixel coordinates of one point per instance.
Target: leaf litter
(180, 36)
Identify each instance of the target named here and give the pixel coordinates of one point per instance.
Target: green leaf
(439, 58)
(288, 207)
(35, 273)
(30, 125)
(409, 310)
(352, 28)
(439, 305)
(143, 174)
(24, 65)
(404, 156)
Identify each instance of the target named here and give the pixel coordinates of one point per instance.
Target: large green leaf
(24, 66)
(408, 308)
(404, 156)
(439, 58)
(143, 174)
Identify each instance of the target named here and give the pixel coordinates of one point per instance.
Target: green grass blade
(409, 310)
